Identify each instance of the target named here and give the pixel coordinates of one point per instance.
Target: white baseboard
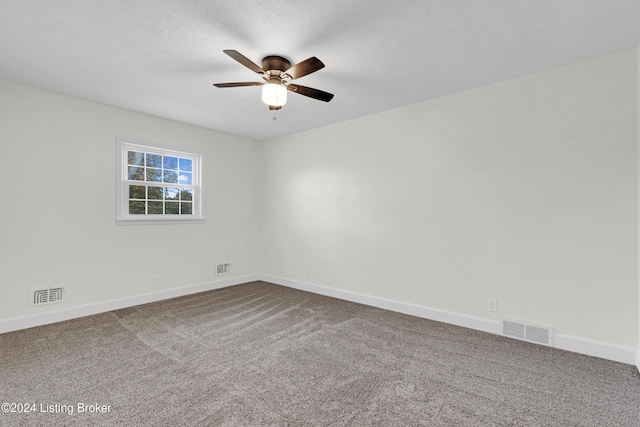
(472, 322)
(603, 350)
(53, 316)
(618, 353)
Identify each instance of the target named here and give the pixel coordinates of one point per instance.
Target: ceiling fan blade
(244, 61)
(310, 92)
(305, 67)
(239, 84)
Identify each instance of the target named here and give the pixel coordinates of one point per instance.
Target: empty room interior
(438, 225)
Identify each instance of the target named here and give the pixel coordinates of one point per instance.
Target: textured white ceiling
(160, 57)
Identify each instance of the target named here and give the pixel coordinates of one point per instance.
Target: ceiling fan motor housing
(277, 63)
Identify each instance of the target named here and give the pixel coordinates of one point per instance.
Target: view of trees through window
(162, 184)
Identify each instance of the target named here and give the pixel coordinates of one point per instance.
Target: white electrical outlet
(154, 279)
(492, 305)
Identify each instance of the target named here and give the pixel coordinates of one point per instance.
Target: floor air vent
(42, 296)
(540, 334)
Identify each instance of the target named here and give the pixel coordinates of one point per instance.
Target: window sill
(159, 221)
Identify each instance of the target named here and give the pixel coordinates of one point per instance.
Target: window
(158, 184)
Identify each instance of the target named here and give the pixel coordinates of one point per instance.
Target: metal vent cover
(513, 329)
(224, 268)
(527, 331)
(43, 296)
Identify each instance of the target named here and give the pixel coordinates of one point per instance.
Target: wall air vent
(224, 268)
(526, 331)
(43, 296)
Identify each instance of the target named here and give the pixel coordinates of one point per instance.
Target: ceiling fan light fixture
(274, 94)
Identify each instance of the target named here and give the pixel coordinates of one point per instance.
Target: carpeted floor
(263, 355)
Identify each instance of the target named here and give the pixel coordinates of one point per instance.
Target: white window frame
(122, 184)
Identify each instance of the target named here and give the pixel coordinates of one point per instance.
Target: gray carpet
(263, 355)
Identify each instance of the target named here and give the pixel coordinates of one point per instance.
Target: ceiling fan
(277, 73)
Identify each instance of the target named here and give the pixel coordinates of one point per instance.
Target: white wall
(638, 181)
(57, 209)
(523, 191)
